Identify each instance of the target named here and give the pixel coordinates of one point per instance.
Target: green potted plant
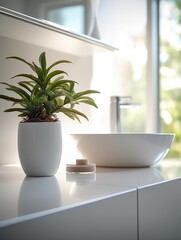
(40, 96)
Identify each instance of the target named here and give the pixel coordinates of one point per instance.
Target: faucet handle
(125, 99)
(120, 99)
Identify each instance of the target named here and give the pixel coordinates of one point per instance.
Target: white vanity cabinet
(113, 218)
(158, 197)
(66, 207)
(159, 211)
(111, 204)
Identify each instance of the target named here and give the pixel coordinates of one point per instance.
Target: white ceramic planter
(40, 147)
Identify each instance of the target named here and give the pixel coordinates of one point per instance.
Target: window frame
(153, 65)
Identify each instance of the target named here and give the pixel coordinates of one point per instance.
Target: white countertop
(23, 198)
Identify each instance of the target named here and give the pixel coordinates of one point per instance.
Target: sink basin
(123, 150)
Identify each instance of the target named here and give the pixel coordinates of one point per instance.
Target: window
(170, 71)
(125, 28)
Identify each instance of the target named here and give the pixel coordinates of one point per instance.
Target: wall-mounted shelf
(46, 34)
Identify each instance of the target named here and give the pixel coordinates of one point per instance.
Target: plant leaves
(17, 90)
(11, 99)
(72, 111)
(46, 93)
(87, 100)
(56, 63)
(80, 94)
(30, 76)
(39, 73)
(59, 83)
(42, 61)
(22, 60)
(24, 85)
(15, 110)
(52, 74)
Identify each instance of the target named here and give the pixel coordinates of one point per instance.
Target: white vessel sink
(123, 150)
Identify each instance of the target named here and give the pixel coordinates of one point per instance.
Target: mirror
(76, 15)
(109, 21)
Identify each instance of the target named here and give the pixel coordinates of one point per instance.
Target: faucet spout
(117, 102)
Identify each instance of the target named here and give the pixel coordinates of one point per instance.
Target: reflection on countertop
(38, 194)
(22, 197)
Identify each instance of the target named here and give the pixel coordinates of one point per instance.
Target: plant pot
(40, 147)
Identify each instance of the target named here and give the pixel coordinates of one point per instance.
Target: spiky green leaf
(72, 111)
(30, 76)
(11, 99)
(42, 61)
(17, 90)
(56, 63)
(24, 85)
(39, 72)
(87, 100)
(53, 74)
(15, 110)
(83, 93)
(22, 60)
(59, 83)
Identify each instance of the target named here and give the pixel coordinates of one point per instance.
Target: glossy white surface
(40, 147)
(123, 150)
(23, 198)
(159, 211)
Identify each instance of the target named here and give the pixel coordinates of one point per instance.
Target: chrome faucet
(117, 102)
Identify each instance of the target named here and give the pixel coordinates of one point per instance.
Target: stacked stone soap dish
(81, 166)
